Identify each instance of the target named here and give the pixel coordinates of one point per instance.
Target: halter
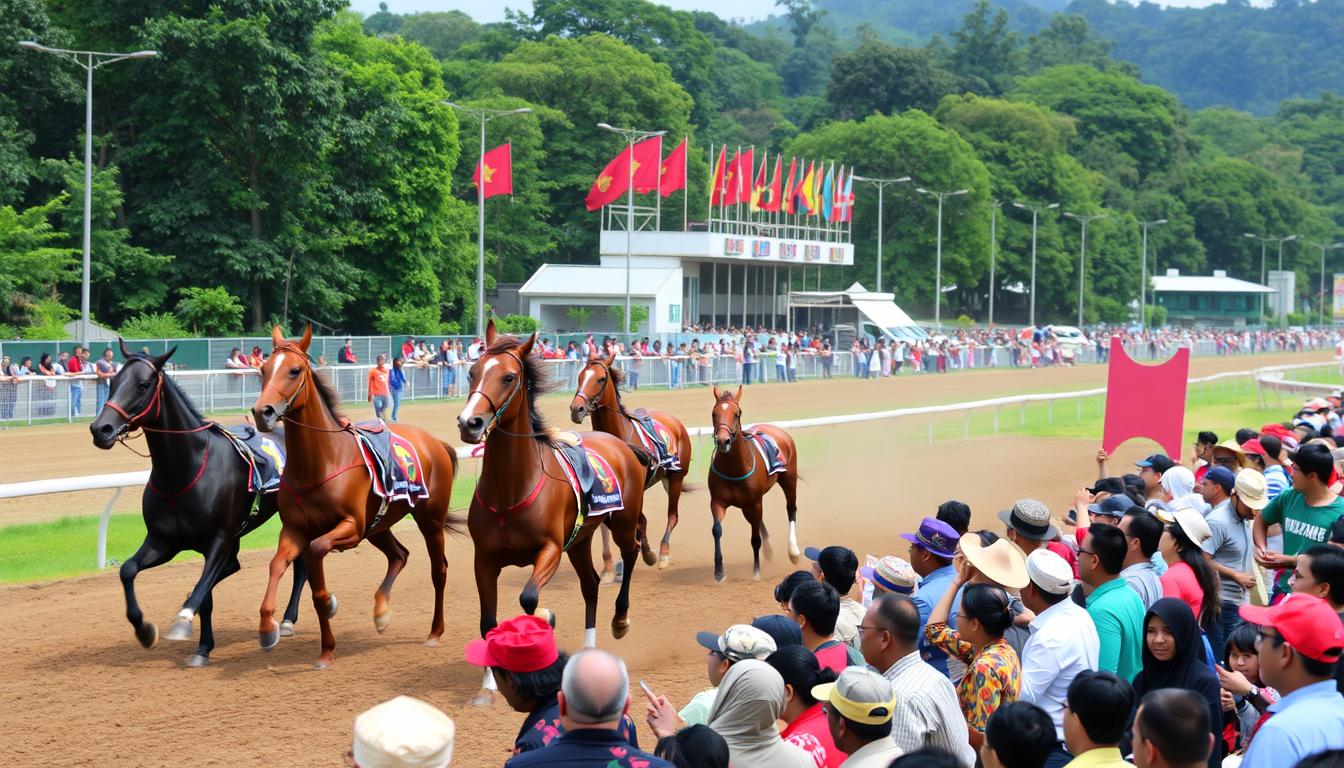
(594, 404)
(155, 401)
(499, 411)
(732, 436)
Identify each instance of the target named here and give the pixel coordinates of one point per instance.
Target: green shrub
(578, 317)
(154, 325)
(211, 311)
(518, 324)
(47, 319)
(408, 320)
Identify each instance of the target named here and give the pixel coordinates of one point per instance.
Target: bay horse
(524, 511)
(599, 396)
(738, 477)
(191, 503)
(327, 499)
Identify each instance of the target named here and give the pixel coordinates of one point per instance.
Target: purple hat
(935, 536)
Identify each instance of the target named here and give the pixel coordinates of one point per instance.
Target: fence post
(1050, 411)
(102, 528)
(997, 408)
(930, 429)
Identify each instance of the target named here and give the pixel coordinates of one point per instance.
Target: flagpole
(631, 135)
(657, 193)
(709, 199)
(686, 185)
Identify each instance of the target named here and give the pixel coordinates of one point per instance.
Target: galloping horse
(190, 502)
(524, 511)
(327, 498)
(738, 477)
(599, 396)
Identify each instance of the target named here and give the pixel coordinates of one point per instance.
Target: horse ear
(525, 348)
(125, 350)
(611, 358)
(738, 396)
(307, 337)
(160, 360)
(490, 333)
(277, 338)
(716, 392)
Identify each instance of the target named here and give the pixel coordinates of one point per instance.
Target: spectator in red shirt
(378, 389)
(807, 727)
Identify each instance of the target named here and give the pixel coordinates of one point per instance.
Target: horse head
(496, 380)
(727, 417)
(594, 378)
(136, 397)
(284, 377)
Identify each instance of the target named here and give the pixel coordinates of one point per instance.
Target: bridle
(303, 382)
(593, 404)
(155, 403)
(733, 431)
(499, 410)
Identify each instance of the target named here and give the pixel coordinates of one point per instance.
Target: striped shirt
(927, 712)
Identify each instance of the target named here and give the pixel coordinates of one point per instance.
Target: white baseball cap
(403, 733)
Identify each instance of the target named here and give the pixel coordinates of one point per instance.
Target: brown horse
(599, 396)
(524, 511)
(326, 493)
(738, 477)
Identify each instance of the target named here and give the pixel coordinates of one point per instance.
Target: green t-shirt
(1303, 525)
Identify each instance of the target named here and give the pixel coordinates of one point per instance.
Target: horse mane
(538, 382)
(617, 379)
(324, 390)
(171, 386)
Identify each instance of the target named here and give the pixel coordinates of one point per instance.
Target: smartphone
(648, 691)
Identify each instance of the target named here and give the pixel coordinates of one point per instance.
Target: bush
(153, 325)
(1155, 316)
(211, 311)
(47, 319)
(638, 315)
(1298, 318)
(518, 324)
(408, 320)
(578, 317)
(8, 331)
(964, 321)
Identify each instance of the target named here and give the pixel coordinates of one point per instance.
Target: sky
(493, 10)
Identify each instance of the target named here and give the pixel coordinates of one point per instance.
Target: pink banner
(1145, 400)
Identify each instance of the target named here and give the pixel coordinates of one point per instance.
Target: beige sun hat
(1001, 562)
(404, 732)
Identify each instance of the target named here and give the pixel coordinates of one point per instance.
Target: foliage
(638, 315)
(154, 325)
(210, 311)
(46, 319)
(884, 79)
(408, 319)
(579, 317)
(31, 260)
(441, 33)
(986, 49)
(1155, 315)
(518, 324)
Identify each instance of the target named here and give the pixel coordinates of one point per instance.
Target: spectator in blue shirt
(932, 548)
(396, 382)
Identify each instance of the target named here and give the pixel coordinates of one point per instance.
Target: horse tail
(452, 454)
(451, 522)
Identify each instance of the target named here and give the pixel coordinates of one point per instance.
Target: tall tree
(986, 48)
(886, 79)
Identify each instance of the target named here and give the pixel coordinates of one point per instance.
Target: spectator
(396, 383)
(815, 606)
(408, 347)
(1143, 533)
(1245, 697)
(1229, 454)
(1150, 471)
(403, 733)
(593, 697)
(1115, 609)
(235, 360)
(378, 378)
(1276, 477)
(105, 369)
(1173, 657)
(807, 728)
(891, 575)
(1189, 576)
(838, 567)
(76, 368)
(47, 391)
(1203, 458)
(932, 548)
(1094, 723)
(1028, 524)
(1018, 735)
(738, 643)
(956, 514)
(1299, 646)
(9, 387)
(1063, 642)
(1229, 549)
(256, 359)
(696, 746)
(927, 712)
(1320, 572)
(750, 700)
(1305, 511)
(859, 707)
(784, 590)
(1170, 730)
(925, 758)
(1216, 490)
(780, 628)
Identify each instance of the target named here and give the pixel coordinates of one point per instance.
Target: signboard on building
(760, 249)
(812, 253)
(1338, 306)
(788, 250)
(674, 313)
(836, 255)
(734, 246)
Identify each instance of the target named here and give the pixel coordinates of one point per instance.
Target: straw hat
(1194, 525)
(1001, 562)
(403, 733)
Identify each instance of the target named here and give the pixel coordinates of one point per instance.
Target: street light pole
(1035, 213)
(632, 136)
(1082, 255)
(881, 185)
(485, 115)
(1143, 270)
(1263, 251)
(938, 269)
(994, 206)
(89, 60)
(1324, 247)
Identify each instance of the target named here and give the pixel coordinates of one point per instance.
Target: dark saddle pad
(264, 454)
(769, 451)
(398, 474)
(655, 437)
(594, 481)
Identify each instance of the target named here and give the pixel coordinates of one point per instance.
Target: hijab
(1188, 668)
(1178, 481)
(749, 701)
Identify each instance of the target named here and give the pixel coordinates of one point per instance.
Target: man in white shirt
(1063, 642)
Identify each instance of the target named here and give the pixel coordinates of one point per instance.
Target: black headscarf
(1187, 669)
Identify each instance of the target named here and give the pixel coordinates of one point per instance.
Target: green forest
(283, 160)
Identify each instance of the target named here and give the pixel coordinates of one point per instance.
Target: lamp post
(632, 136)
(881, 185)
(1265, 239)
(1035, 213)
(89, 61)
(1143, 269)
(485, 115)
(938, 269)
(1324, 247)
(1082, 255)
(994, 206)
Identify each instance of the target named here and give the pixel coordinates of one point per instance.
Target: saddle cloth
(264, 454)
(657, 439)
(595, 484)
(765, 445)
(393, 462)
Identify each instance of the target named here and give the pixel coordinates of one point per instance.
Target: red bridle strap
(511, 509)
(155, 402)
(173, 497)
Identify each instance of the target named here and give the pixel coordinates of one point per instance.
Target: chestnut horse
(738, 477)
(599, 396)
(326, 493)
(524, 511)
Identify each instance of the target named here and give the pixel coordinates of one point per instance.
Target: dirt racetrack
(80, 691)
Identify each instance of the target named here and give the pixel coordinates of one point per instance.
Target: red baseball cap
(521, 644)
(1306, 622)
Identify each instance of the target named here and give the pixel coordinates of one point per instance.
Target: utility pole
(881, 185)
(938, 268)
(1035, 214)
(1082, 255)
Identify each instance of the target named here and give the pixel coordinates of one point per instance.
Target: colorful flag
(717, 186)
(786, 202)
(828, 194)
(611, 183)
(758, 187)
(806, 192)
(648, 164)
(738, 180)
(849, 197)
(770, 199)
(673, 171)
(498, 164)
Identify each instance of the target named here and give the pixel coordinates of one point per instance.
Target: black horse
(197, 497)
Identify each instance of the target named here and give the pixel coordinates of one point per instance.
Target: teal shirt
(1117, 611)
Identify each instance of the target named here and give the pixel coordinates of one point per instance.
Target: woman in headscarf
(750, 700)
(1173, 657)
(1178, 487)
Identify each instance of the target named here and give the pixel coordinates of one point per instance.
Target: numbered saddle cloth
(264, 454)
(769, 451)
(595, 484)
(393, 462)
(654, 436)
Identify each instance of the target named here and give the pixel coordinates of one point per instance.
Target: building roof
(595, 281)
(1219, 282)
(879, 309)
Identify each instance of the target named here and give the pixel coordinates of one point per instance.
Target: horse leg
(207, 612)
(753, 515)
(718, 509)
(788, 480)
(487, 590)
(397, 555)
(287, 551)
(323, 603)
(543, 568)
(672, 484)
(626, 540)
(642, 540)
(223, 552)
(153, 551)
(295, 592)
(433, 531)
(608, 571)
(581, 557)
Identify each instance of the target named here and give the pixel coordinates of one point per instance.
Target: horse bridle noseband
(155, 401)
(499, 410)
(594, 404)
(733, 432)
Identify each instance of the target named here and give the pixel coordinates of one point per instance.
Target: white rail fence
(1268, 378)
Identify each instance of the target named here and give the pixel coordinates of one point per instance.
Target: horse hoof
(269, 640)
(620, 571)
(380, 622)
(433, 642)
(197, 660)
(649, 557)
(147, 634)
(756, 576)
(286, 628)
(486, 698)
(322, 664)
(720, 576)
(548, 615)
(332, 608)
(620, 628)
(793, 555)
(663, 562)
(180, 630)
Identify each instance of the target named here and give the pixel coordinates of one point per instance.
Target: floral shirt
(993, 677)
(543, 725)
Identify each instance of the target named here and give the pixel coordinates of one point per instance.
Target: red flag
(611, 183)
(498, 164)
(1145, 400)
(717, 186)
(738, 179)
(673, 171)
(786, 201)
(648, 164)
(770, 201)
(758, 187)
(838, 197)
